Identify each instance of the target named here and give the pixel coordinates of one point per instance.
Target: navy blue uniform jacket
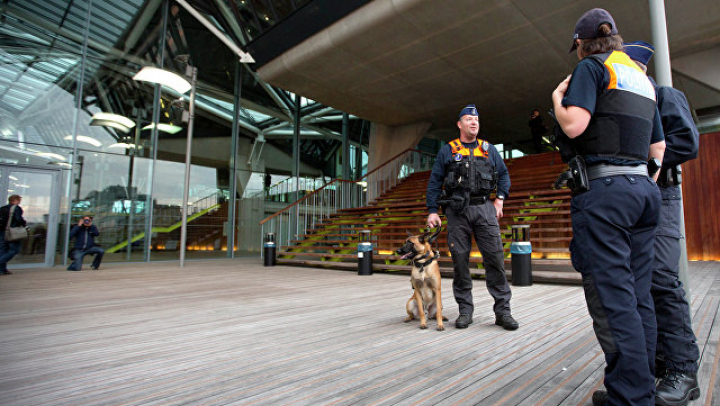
(444, 158)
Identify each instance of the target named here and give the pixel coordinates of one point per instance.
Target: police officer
(607, 108)
(469, 169)
(676, 343)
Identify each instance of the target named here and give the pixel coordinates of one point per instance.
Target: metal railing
(303, 216)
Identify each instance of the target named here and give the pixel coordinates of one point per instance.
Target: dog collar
(422, 265)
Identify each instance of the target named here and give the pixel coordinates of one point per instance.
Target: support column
(663, 76)
(232, 216)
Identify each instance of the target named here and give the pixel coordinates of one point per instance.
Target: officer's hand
(559, 92)
(498, 203)
(433, 220)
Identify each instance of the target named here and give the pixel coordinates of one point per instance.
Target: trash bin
(521, 253)
(365, 254)
(269, 249)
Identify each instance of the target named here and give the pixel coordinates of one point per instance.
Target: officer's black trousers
(614, 227)
(479, 221)
(676, 342)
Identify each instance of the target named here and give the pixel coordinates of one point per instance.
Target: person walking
(11, 215)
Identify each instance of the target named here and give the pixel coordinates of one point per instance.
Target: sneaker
(5, 273)
(676, 388)
(463, 321)
(599, 398)
(94, 268)
(506, 321)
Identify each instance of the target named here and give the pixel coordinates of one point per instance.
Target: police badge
(485, 146)
(458, 157)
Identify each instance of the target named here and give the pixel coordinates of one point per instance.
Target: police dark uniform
(614, 221)
(676, 342)
(472, 213)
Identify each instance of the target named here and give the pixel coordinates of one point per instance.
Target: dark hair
(13, 198)
(603, 43)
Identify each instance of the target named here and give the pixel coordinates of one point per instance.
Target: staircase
(333, 242)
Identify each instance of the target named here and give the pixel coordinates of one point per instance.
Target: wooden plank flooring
(236, 333)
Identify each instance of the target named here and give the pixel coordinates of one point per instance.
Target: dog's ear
(409, 233)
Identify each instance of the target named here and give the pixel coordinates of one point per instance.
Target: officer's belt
(603, 170)
(478, 200)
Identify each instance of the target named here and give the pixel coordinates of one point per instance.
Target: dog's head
(417, 244)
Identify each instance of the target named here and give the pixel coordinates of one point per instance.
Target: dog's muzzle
(407, 250)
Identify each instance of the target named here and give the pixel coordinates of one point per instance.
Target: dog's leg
(438, 306)
(409, 309)
(423, 319)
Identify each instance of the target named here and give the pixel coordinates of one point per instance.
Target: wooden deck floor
(234, 332)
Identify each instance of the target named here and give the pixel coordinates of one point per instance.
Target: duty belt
(478, 200)
(603, 170)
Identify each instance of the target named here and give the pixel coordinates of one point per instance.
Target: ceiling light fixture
(85, 139)
(166, 128)
(163, 77)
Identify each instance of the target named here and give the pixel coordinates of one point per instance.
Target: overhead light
(163, 77)
(85, 139)
(117, 118)
(166, 128)
(54, 156)
(121, 145)
(116, 121)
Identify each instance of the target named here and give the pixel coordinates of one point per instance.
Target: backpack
(681, 136)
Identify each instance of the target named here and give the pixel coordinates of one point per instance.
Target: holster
(671, 176)
(459, 201)
(575, 177)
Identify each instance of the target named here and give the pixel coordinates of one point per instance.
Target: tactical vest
(622, 124)
(473, 173)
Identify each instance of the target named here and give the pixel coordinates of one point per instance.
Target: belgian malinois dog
(426, 300)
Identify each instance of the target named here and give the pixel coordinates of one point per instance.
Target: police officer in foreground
(677, 350)
(467, 170)
(607, 109)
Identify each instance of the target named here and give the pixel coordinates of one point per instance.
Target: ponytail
(603, 43)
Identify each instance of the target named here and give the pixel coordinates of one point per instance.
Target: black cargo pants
(478, 221)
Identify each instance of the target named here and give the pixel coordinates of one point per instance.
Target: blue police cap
(588, 24)
(639, 51)
(469, 110)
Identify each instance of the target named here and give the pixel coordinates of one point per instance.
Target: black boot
(677, 388)
(463, 321)
(599, 398)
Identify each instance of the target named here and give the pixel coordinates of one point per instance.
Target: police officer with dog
(677, 349)
(466, 171)
(607, 110)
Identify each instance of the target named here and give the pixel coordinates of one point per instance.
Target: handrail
(388, 162)
(391, 160)
(303, 199)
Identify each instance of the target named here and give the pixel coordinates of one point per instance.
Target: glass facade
(79, 136)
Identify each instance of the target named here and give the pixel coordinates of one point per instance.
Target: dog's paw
(423, 326)
(440, 327)
(409, 319)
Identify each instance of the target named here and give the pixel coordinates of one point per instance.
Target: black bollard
(365, 254)
(521, 252)
(269, 249)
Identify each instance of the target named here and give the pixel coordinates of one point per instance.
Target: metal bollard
(365, 254)
(521, 252)
(269, 249)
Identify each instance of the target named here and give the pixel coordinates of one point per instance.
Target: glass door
(39, 190)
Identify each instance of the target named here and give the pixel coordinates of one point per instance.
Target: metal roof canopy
(398, 62)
